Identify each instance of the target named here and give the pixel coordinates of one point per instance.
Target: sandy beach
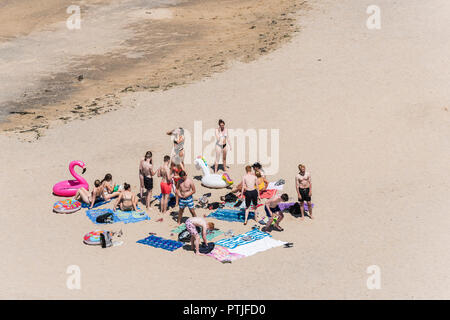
(365, 110)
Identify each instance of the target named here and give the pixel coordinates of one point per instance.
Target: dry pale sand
(365, 110)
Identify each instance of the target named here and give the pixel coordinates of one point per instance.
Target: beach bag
(105, 218)
(106, 239)
(206, 248)
(185, 236)
(214, 206)
(295, 209)
(230, 197)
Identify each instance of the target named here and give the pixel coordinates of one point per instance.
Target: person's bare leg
(192, 212)
(246, 215)
(224, 157)
(310, 209)
(180, 215)
(147, 198)
(277, 223)
(135, 201)
(216, 163)
(141, 181)
(83, 194)
(302, 210)
(268, 224)
(192, 243)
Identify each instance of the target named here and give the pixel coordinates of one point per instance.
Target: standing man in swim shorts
(191, 225)
(250, 192)
(166, 183)
(185, 190)
(146, 169)
(273, 211)
(304, 190)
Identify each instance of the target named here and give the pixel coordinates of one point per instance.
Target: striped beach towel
(242, 239)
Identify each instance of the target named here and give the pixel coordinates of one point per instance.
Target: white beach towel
(272, 185)
(257, 246)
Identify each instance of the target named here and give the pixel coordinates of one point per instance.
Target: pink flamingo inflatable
(69, 188)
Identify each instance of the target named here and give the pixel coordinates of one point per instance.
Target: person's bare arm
(243, 185)
(297, 188)
(169, 132)
(310, 185)
(94, 198)
(204, 235)
(118, 201)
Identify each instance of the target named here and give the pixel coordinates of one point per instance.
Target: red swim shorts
(166, 188)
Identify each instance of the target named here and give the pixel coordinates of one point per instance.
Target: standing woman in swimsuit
(177, 155)
(127, 201)
(221, 145)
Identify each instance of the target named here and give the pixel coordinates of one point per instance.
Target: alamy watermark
(263, 145)
(374, 280)
(73, 22)
(374, 20)
(73, 281)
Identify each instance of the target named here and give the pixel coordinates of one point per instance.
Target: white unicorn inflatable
(215, 181)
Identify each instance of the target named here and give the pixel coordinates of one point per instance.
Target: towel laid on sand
(286, 205)
(223, 254)
(158, 242)
(210, 234)
(267, 194)
(272, 186)
(172, 199)
(231, 215)
(260, 245)
(96, 204)
(242, 239)
(118, 215)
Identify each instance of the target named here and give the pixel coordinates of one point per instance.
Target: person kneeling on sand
(185, 189)
(127, 201)
(191, 225)
(273, 211)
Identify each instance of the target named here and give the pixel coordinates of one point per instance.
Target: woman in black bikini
(221, 145)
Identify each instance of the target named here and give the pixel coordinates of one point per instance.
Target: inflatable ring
(67, 206)
(227, 178)
(93, 237)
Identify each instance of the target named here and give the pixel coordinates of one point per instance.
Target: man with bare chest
(303, 186)
(185, 190)
(146, 169)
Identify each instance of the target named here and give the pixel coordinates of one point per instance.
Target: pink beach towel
(223, 254)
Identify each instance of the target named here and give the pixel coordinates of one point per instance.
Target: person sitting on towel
(191, 225)
(261, 182)
(127, 200)
(273, 211)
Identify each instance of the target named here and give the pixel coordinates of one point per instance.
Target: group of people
(174, 179)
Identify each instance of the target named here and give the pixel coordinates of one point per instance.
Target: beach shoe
(117, 243)
(229, 233)
(255, 227)
(247, 238)
(289, 245)
(280, 182)
(226, 261)
(262, 222)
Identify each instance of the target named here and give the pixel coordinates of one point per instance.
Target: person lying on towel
(193, 222)
(273, 211)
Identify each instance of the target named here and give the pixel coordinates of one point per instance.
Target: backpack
(230, 197)
(105, 218)
(185, 236)
(295, 209)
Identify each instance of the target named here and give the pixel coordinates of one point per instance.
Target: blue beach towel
(242, 239)
(231, 215)
(118, 215)
(96, 204)
(172, 199)
(162, 243)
